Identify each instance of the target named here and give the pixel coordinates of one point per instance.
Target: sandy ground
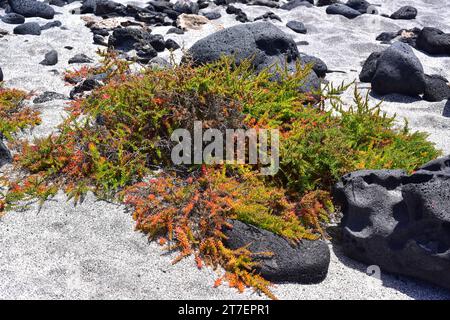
(92, 252)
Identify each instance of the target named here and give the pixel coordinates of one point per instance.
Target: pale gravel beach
(92, 252)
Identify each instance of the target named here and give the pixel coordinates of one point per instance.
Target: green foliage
(114, 139)
(14, 114)
(324, 145)
(190, 213)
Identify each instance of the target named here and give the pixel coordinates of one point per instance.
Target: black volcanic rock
(296, 3)
(434, 41)
(30, 28)
(437, 88)
(297, 26)
(80, 58)
(405, 13)
(172, 44)
(13, 18)
(32, 8)
(262, 41)
(51, 58)
(126, 39)
(399, 222)
(359, 5)
(305, 263)
(398, 70)
(343, 10)
(370, 67)
(5, 154)
(186, 6)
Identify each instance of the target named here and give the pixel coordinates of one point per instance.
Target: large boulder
(262, 42)
(399, 222)
(433, 41)
(32, 8)
(370, 67)
(398, 70)
(304, 263)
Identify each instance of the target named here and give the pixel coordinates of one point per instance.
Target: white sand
(91, 251)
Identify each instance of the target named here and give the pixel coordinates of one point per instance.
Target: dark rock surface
(146, 44)
(264, 3)
(319, 66)
(5, 154)
(172, 44)
(405, 13)
(51, 58)
(80, 58)
(306, 263)
(49, 96)
(30, 28)
(446, 111)
(268, 16)
(323, 3)
(212, 15)
(186, 6)
(13, 18)
(126, 39)
(437, 88)
(159, 62)
(241, 16)
(262, 41)
(52, 24)
(32, 8)
(399, 222)
(106, 8)
(387, 37)
(297, 26)
(58, 3)
(85, 86)
(398, 70)
(370, 67)
(296, 3)
(343, 10)
(434, 41)
(359, 5)
(408, 36)
(175, 31)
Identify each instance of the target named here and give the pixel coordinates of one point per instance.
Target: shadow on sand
(396, 98)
